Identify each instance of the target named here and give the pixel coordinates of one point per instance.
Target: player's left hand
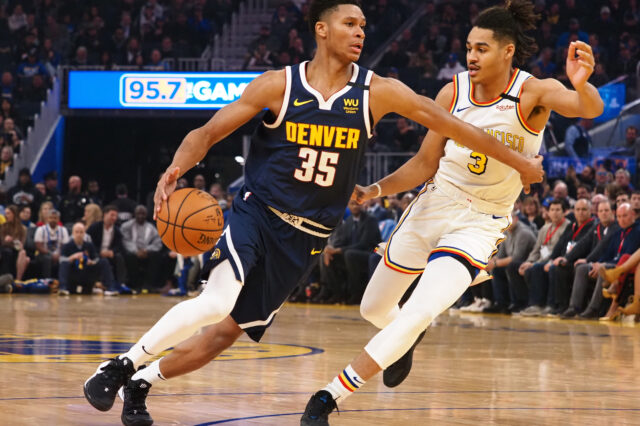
(363, 193)
(580, 63)
(533, 174)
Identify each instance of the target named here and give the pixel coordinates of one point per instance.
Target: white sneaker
(111, 293)
(483, 303)
(63, 292)
(469, 308)
(532, 311)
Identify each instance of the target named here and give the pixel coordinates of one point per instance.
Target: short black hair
(511, 21)
(109, 208)
(561, 202)
(317, 8)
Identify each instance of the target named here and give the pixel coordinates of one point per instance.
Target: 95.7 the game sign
(149, 90)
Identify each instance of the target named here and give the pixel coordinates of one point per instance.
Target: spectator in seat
(405, 137)
(451, 68)
(394, 57)
(582, 256)
(12, 238)
(81, 265)
(107, 238)
(531, 272)
(199, 182)
(124, 205)
(142, 247)
(94, 194)
(560, 271)
(13, 134)
(51, 188)
(261, 58)
(32, 66)
(376, 209)
(631, 144)
(531, 211)
(24, 214)
(92, 214)
(346, 258)
(623, 180)
(18, 19)
(156, 63)
(625, 241)
(7, 87)
(24, 192)
(511, 253)
(37, 91)
(577, 141)
(49, 239)
(6, 160)
(74, 201)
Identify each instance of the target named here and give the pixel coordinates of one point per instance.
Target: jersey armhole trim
(454, 100)
(520, 116)
(285, 101)
(365, 104)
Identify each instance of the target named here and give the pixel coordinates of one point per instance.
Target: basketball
(190, 221)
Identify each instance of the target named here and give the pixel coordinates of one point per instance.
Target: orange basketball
(190, 222)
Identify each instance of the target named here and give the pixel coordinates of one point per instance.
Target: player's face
(344, 31)
(486, 56)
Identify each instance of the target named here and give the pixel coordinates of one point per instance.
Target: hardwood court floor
(469, 369)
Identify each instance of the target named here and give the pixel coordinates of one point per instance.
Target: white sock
(150, 374)
(212, 306)
(344, 384)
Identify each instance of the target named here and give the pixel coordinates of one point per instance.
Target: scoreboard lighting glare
(126, 90)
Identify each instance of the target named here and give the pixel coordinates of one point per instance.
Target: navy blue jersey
(306, 161)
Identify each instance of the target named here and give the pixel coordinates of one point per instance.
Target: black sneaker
(101, 388)
(134, 409)
(395, 374)
(318, 409)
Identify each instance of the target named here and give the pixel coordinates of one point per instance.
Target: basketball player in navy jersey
(454, 225)
(302, 168)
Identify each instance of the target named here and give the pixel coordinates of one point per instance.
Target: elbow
(596, 110)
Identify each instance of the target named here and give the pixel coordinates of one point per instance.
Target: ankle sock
(344, 384)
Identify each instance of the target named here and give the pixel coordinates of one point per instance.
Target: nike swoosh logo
(314, 252)
(298, 103)
(462, 109)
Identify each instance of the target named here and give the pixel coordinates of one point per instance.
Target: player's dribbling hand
(166, 185)
(533, 174)
(580, 63)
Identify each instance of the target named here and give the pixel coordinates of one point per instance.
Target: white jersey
(491, 186)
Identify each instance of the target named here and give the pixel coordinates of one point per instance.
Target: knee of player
(216, 308)
(368, 311)
(416, 321)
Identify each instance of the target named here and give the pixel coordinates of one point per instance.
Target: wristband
(379, 189)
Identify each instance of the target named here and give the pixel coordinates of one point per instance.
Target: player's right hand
(166, 185)
(533, 173)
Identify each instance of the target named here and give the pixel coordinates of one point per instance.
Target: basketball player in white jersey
(459, 217)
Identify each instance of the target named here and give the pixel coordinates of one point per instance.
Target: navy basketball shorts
(268, 255)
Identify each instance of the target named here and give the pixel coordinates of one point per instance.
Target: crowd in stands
(36, 36)
(76, 242)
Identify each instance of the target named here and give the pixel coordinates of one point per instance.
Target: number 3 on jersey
(480, 165)
(324, 173)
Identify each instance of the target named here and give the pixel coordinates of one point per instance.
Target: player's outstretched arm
(266, 91)
(419, 168)
(585, 100)
(390, 95)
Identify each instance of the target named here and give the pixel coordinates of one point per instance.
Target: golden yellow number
(480, 165)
